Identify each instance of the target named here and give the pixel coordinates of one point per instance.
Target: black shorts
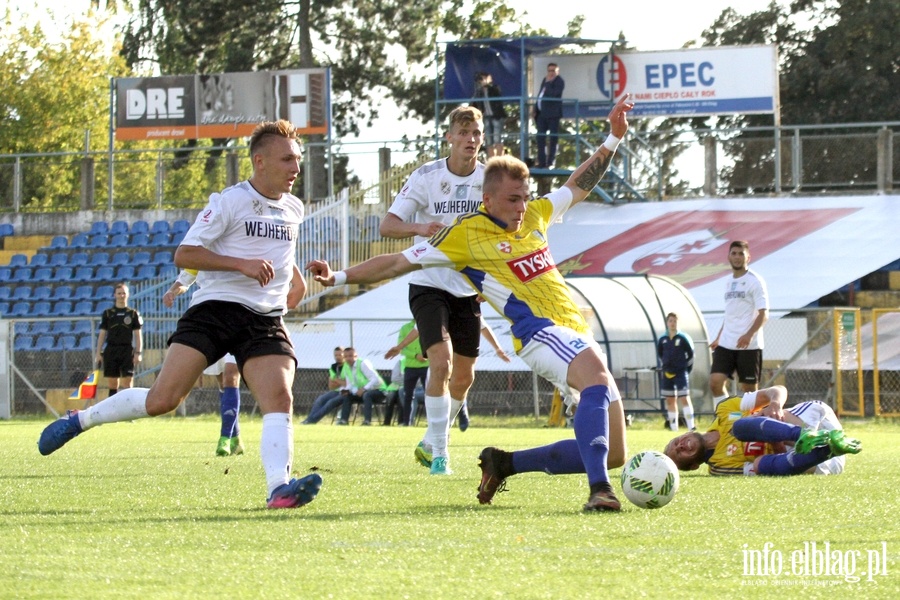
(118, 361)
(217, 328)
(441, 316)
(747, 363)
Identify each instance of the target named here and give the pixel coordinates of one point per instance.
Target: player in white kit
(243, 243)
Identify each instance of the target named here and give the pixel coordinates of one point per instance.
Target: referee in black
(120, 329)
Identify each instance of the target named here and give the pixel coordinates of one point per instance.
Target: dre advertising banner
(225, 105)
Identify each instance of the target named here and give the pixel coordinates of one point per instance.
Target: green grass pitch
(145, 510)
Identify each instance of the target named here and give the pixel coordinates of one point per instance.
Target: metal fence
(808, 159)
(847, 357)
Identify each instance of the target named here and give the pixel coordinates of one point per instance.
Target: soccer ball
(650, 479)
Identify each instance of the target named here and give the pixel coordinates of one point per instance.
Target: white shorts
(219, 366)
(818, 415)
(551, 351)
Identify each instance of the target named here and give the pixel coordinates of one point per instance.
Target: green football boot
(223, 448)
(841, 444)
(810, 439)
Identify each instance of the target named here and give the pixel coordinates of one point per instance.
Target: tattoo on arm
(594, 172)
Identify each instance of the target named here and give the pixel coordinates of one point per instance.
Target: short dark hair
(280, 128)
(336, 348)
(740, 244)
(671, 314)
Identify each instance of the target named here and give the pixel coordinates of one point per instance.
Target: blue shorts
(668, 386)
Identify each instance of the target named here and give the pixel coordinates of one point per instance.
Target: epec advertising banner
(683, 83)
(225, 105)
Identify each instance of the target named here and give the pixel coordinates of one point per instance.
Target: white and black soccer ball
(650, 479)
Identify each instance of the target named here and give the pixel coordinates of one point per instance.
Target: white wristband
(611, 142)
(340, 277)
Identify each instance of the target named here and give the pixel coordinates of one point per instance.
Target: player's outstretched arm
(377, 268)
(588, 174)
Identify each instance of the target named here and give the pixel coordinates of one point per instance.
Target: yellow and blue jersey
(514, 272)
(730, 453)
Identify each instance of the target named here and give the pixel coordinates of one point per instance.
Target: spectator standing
(547, 113)
(493, 110)
(676, 358)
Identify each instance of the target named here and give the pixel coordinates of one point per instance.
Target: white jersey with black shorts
(230, 312)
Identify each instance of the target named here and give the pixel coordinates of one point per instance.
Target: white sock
(688, 413)
(455, 407)
(276, 449)
(673, 420)
(126, 405)
(437, 411)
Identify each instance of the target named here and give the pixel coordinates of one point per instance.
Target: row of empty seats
(118, 240)
(59, 308)
(328, 229)
(86, 273)
(120, 227)
(58, 292)
(55, 327)
(96, 259)
(49, 342)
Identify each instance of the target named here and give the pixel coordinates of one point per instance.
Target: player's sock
(764, 429)
(592, 432)
(673, 419)
(688, 413)
(229, 405)
(276, 449)
(437, 412)
(130, 404)
(455, 407)
(559, 458)
(791, 463)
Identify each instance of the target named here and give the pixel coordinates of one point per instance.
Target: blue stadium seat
(60, 327)
(103, 305)
(83, 308)
(98, 227)
(105, 273)
(5, 273)
(161, 258)
(104, 292)
(124, 273)
(22, 327)
(99, 259)
(118, 240)
(120, 258)
(6, 292)
(61, 308)
(140, 227)
(145, 272)
(371, 227)
(58, 259)
(40, 309)
(82, 292)
(330, 229)
(4, 309)
(159, 227)
(177, 238)
(84, 342)
(61, 292)
(67, 342)
(181, 226)
(84, 273)
(23, 343)
(118, 227)
(354, 228)
(38, 327)
(160, 240)
(169, 271)
(21, 275)
(100, 240)
(140, 258)
(6, 229)
(41, 292)
(43, 274)
(45, 342)
(140, 239)
(63, 273)
(40, 259)
(82, 326)
(18, 260)
(78, 258)
(19, 309)
(22, 292)
(59, 241)
(79, 240)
